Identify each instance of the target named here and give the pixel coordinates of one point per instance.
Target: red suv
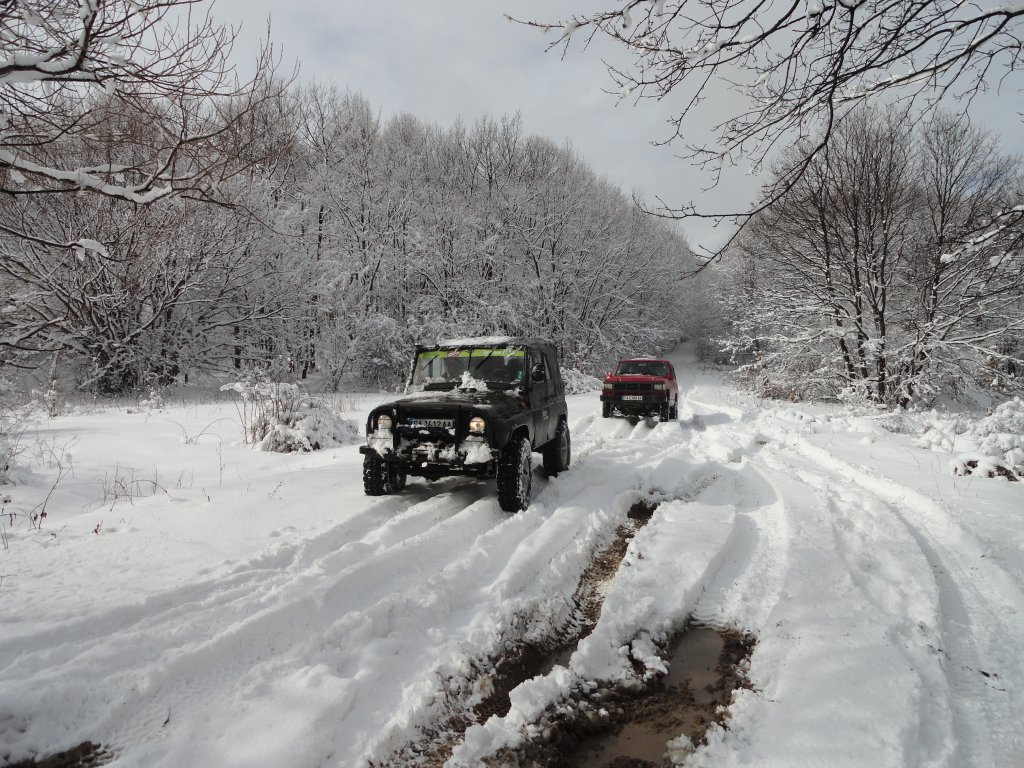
(641, 387)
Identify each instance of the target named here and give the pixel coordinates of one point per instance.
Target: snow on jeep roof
(477, 341)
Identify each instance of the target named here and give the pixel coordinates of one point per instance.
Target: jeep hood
(637, 377)
(496, 402)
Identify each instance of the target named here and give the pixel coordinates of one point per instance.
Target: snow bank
(990, 447)
(664, 571)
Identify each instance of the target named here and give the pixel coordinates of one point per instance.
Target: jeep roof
(488, 341)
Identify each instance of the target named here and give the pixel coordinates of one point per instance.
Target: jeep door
(542, 399)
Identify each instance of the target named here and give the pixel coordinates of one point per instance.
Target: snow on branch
(84, 83)
(142, 194)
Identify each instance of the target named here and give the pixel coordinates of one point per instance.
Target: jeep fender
(504, 430)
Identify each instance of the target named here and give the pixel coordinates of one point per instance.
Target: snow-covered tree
(411, 232)
(152, 297)
(849, 283)
(116, 116)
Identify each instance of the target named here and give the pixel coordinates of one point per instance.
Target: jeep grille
(632, 386)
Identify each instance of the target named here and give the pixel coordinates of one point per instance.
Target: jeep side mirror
(537, 373)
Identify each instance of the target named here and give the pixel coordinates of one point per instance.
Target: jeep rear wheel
(557, 451)
(664, 413)
(381, 478)
(515, 472)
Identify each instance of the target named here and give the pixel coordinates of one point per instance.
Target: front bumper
(637, 403)
(433, 457)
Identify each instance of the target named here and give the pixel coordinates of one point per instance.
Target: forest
(171, 223)
(166, 222)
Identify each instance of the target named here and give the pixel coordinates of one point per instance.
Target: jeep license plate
(432, 423)
(632, 397)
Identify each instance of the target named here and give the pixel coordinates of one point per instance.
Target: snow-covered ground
(188, 601)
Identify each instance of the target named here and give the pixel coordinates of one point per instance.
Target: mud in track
(532, 659)
(623, 727)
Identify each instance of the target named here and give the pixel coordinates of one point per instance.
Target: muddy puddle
(85, 755)
(645, 729)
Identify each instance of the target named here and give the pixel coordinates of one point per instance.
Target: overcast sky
(442, 60)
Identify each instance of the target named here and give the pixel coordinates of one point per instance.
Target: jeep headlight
(477, 425)
(659, 387)
(384, 421)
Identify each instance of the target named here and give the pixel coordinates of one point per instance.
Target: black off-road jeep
(477, 407)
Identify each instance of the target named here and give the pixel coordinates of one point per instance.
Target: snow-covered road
(260, 611)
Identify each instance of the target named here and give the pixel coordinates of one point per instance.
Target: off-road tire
(673, 412)
(515, 474)
(398, 477)
(665, 413)
(381, 478)
(557, 452)
(606, 410)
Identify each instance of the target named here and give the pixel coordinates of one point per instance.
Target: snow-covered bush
(577, 382)
(994, 444)
(308, 425)
(154, 401)
(279, 417)
(999, 441)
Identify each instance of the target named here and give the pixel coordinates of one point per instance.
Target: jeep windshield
(641, 368)
(468, 368)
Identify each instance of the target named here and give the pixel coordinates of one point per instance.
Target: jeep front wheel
(606, 410)
(515, 472)
(557, 451)
(381, 478)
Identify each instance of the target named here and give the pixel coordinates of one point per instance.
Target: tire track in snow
(981, 610)
(757, 576)
(210, 635)
(963, 654)
(746, 589)
(597, 481)
(211, 602)
(322, 608)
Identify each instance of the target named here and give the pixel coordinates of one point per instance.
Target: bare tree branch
(801, 65)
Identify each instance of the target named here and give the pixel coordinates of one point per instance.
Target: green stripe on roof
(499, 352)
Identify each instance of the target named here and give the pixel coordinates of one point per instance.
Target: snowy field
(188, 601)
